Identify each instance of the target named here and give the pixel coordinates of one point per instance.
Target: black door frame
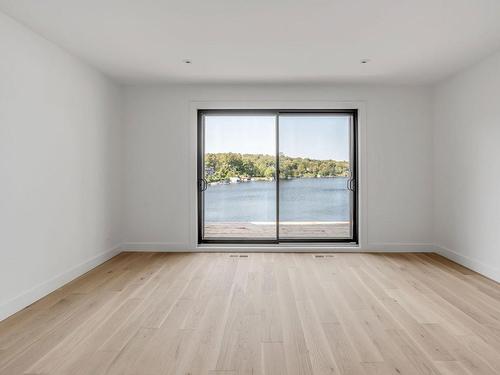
(201, 183)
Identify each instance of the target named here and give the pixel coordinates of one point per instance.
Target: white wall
(59, 167)
(467, 167)
(158, 145)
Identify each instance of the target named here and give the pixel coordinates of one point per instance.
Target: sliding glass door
(315, 189)
(238, 193)
(277, 176)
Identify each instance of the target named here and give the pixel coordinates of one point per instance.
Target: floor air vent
(238, 255)
(321, 256)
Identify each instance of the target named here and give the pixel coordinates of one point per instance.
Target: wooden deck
(287, 229)
(272, 314)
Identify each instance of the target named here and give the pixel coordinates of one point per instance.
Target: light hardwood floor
(218, 314)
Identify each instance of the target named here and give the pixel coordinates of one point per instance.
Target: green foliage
(222, 166)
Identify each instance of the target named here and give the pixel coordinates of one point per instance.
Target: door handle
(202, 184)
(351, 184)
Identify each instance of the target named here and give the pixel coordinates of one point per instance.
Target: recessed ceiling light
(187, 61)
(365, 61)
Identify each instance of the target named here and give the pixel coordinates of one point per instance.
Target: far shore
(237, 180)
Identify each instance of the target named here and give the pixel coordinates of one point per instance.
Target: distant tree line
(222, 166)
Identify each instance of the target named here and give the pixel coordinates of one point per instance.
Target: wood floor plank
(345, 357)
(261, 313)
(463, 309)
(452, 368)
(273, 354)
(125, 362)
(322, 361)
(412, 327)
(298, 360)
(468, 359)
(354, 327)
(202, 352)
(50, 340)
(268, 302)
(73, 357)
(18, 340)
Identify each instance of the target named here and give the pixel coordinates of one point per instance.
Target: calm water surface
(306, 199)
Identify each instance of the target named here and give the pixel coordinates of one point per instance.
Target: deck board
(340, 229)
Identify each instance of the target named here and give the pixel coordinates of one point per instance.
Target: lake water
(306, 199)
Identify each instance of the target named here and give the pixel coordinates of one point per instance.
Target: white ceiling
(407, 41)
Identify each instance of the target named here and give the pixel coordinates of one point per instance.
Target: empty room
(232, 187)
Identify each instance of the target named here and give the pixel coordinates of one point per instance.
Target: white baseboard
(400, 247)
(480, 267)
(372, 247)
(41, 290)
(155, 246)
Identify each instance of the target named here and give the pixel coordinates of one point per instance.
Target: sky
(315, 137)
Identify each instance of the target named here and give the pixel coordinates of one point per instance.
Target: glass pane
(315, 153)
(240, 169)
